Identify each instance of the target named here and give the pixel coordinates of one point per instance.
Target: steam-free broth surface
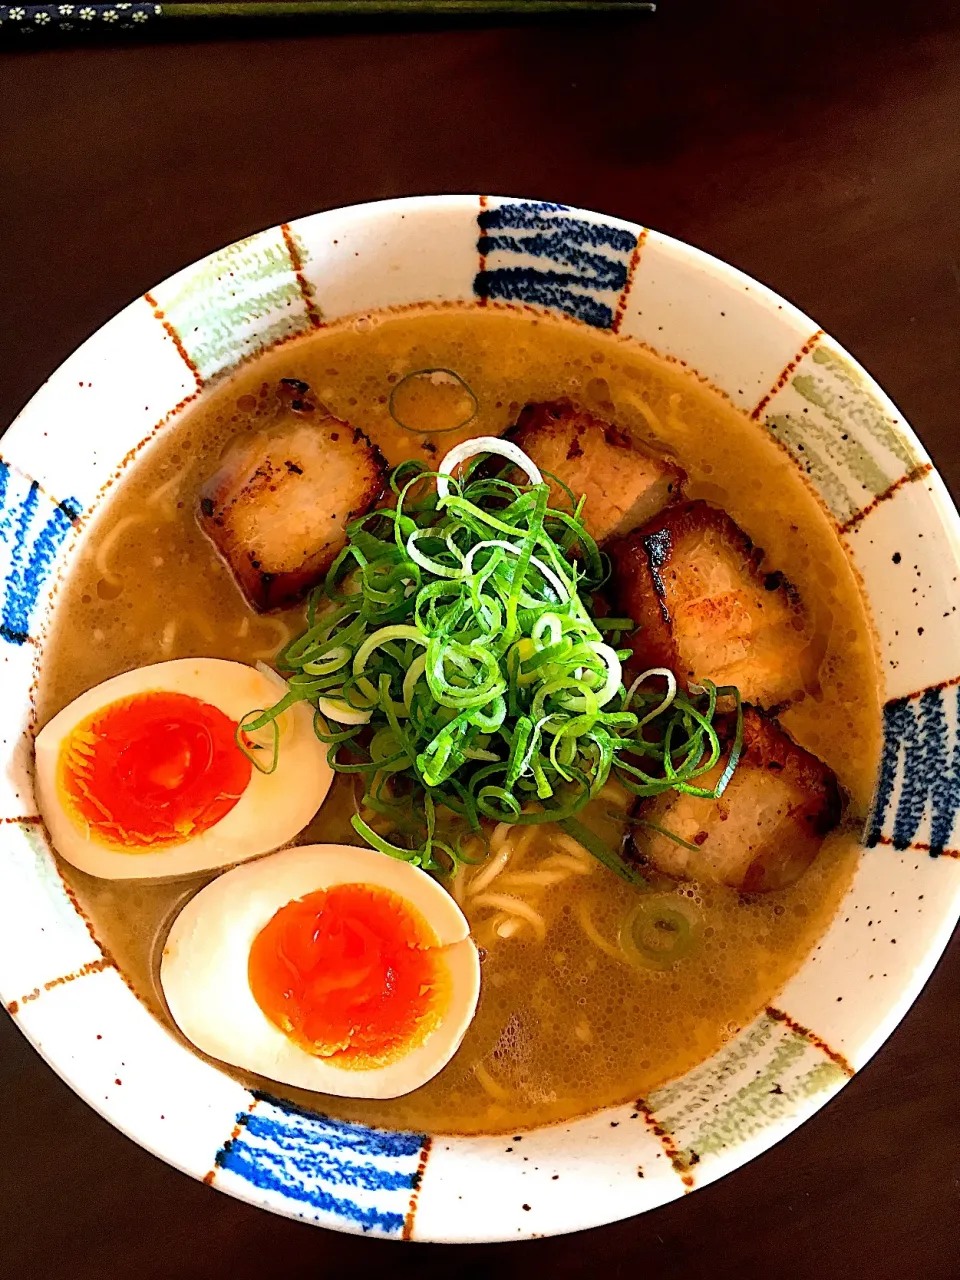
(565, 1024)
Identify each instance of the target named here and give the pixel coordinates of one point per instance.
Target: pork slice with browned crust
(708, 608)
(278, 507)
(766, 828)
(624, 483)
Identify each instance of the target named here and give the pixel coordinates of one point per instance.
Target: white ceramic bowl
(128, 382)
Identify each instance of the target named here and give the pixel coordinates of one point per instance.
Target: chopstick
(104, 19)
(305, 8)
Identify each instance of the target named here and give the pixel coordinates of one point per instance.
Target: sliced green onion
(657, 933)
(341, 711)
(426, 383)
(601, 851)
(664, 831)
(251, 748)
(481, 446)
(456, 666)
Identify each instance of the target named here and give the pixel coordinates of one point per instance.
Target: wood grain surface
(816, 146)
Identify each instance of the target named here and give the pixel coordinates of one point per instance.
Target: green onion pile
(456, 663)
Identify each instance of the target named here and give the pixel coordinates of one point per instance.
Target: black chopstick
(306, 8)
(103, 19)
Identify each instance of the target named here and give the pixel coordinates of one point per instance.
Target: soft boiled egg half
(143, 775)
(333, 968)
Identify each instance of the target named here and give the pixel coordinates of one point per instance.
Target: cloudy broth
(565, 1023)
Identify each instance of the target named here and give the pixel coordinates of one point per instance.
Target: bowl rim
(946, 516)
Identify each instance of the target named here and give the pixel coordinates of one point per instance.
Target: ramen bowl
(129, 382)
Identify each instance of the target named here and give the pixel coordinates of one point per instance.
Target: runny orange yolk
(152, 770)
(352, 974)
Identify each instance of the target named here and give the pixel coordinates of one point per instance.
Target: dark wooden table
(816, 146)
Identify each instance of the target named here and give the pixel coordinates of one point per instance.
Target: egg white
(203, 971)
(272, 809)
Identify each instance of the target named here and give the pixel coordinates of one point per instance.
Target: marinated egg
(143, 775)
(329, 967)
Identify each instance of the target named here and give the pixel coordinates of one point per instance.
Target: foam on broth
(564, 1025)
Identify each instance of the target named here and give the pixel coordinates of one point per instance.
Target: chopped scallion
(455, 641)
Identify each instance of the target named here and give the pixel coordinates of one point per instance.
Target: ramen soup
(612, 950)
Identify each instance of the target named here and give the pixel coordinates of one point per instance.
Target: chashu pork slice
(766, 828)
(624, 483)
(705, 607)
(278, 507)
